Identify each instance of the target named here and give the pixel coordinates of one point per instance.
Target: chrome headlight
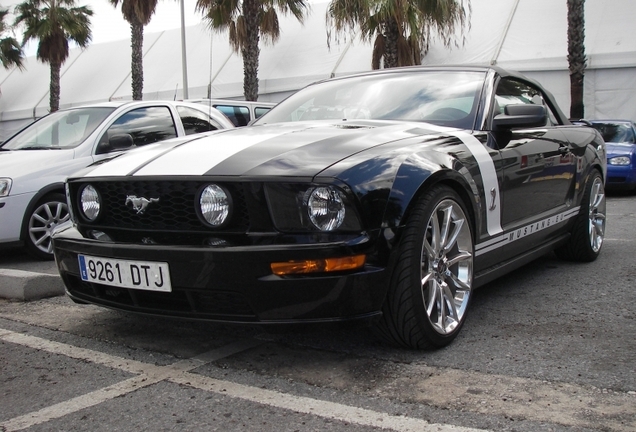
(325, 207)
(215, 205)
(302, 207)
(619, 160)
(5, 186)
(90, 203)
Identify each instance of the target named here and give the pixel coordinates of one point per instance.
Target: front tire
(431, 283)
(49, 212)
(588, 232)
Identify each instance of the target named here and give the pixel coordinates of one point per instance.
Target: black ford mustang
(385, 197)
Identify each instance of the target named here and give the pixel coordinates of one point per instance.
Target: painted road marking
(179, 373)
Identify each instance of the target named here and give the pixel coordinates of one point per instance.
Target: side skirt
(492, 273)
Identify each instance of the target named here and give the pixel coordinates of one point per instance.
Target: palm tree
(54, 23)
(401, 28)
(576, 56)
(138, 13)
(246, 22)
(10, 51)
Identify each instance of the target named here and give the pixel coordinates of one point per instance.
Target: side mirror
(521, 115)
(120, 142)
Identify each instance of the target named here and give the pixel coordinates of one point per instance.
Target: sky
(108, 24)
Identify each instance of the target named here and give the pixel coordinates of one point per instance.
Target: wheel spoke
(459, 284)
(441, 310)
(428, 252)
(59, 209)
(427, 278)
(446, 227)
(42, 239)
(457, 229)
(40, 218)
(462, 256)
(435, 235)
(430, 295)
(450, 302)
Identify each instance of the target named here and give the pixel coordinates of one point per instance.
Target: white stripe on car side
(493, 209)
(488, 178)
(188, 160)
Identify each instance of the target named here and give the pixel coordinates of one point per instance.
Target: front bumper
(12, 209)
(232, 284)
(621, 177)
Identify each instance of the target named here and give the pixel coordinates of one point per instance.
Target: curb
(26, 285)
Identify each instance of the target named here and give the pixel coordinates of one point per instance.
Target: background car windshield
(445, 98)
(616, 132)
(61, 129)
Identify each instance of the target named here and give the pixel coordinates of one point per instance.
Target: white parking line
(178, 373)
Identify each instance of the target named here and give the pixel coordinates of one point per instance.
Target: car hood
(619, 149)
(19, 163)
(286, 149)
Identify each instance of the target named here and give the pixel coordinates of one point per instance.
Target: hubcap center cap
(440, 266)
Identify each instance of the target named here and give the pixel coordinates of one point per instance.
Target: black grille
(175, 209)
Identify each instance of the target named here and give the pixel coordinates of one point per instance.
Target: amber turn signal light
(318, 265)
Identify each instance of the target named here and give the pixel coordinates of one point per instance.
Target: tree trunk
(391, 33)
(54, 87)
(251, 50)
(137, 60)
(576, 56)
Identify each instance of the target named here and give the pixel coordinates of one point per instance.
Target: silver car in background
(35, 162)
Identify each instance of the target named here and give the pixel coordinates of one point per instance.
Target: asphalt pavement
(549, 347)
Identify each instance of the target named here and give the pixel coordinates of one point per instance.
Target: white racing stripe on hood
(127, 162)
(200, 156)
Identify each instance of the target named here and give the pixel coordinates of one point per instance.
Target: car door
(145, 125)
(538, 168)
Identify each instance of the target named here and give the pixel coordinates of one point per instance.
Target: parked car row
(384, 198)
(241, 113)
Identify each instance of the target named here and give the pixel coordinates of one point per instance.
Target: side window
(146, 126)
(195, 121)
(239, 115)
(259, 111)
(515, 92)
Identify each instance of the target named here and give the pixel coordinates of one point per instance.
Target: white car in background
(241, 113)
(35, 162)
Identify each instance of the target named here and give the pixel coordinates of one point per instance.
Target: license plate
(143, 275)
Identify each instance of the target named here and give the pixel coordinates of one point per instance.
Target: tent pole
(184, 61)
(495, 57)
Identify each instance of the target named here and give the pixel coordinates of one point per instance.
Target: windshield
(59, 130)
(615, 132)
(446, 98)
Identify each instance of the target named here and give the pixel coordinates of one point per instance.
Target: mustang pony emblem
(140, 203)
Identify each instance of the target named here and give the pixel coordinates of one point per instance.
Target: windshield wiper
(35, 147)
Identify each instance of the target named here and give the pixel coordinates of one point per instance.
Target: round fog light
(90, 203)
(215, 205)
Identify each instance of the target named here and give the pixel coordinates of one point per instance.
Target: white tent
(525, 35)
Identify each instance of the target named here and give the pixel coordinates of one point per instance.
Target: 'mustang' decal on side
(519, 233)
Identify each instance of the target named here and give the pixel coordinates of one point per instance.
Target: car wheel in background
(49, 212)
(431, 283)
(588, 232)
